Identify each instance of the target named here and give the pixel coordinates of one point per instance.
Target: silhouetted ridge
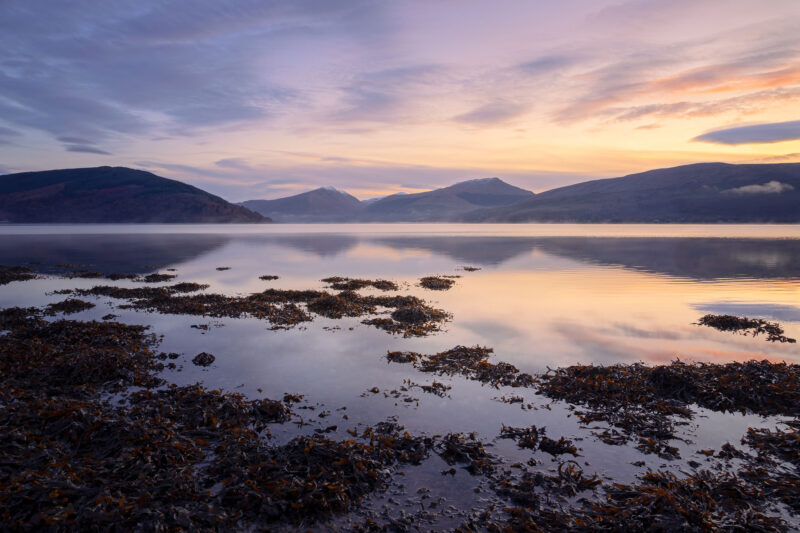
(110, 194)
(701, 193)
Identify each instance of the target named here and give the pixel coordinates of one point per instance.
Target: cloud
(756, 133)
(743, 104)
(86, 149)
(492, 113)
(782, 158)
(386, 95)
(546, 65)
(74, 140)
(645, 75)
(8, 132)
(234, 163)
(771, 187)
(72, 69)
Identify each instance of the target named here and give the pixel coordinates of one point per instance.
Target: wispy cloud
(6, 134)
(755, 133)
(385, 95)
(86, 149)
(546, 64)
(492, 113)
(641, 76)
(744, 104)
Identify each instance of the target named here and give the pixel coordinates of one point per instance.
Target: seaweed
(415, 319)
(353, 284)
(93, 274)
(203, 359)
(73, 358)
(15, 273)
(68, 306)
(436, 283)
(641, 400)
(533, 487)
(471, 362)
(534, 438)
(525, 437)
(660, 501)
(754, 326)
(458, 448)
(174, 458)
(157, 277)
(280, 307)
(402, 357)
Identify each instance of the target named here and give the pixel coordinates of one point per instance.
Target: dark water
(545, 296)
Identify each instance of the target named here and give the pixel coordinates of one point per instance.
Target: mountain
(700, 193)
(325, 204)
(379, 198)
(108, 195)
(444, 204)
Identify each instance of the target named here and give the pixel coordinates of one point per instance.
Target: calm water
(546, 295)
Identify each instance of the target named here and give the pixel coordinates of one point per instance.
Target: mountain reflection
(106, 253)
(692, 258)
(695, 258)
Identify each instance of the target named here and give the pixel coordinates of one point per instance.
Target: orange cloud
(723, 78)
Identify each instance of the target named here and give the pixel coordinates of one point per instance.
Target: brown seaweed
(203, 359)
(471, 362)
(754, 326)
(15, 273)
(436, 283)
(280, 307)
(68, 306)
(643, 401)
(353, 284)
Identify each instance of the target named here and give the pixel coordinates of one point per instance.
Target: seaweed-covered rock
(436, 283)
(68, 306)
(15, 273)
(203, 359)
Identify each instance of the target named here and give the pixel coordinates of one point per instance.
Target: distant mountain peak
(485, 180)
(319, 205)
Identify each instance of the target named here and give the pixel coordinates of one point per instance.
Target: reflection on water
(132, 253)
(695, 258)
(539, 300)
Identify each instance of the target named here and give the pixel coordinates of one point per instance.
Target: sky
(262, 99)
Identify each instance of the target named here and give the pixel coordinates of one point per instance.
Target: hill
(699, 193)
(444, 204)
(325, 204)
(109, 195)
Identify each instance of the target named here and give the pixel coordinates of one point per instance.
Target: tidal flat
(393, 378)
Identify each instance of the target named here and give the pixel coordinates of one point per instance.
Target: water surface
(545, 296)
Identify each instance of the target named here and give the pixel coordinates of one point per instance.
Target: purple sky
(258, 99)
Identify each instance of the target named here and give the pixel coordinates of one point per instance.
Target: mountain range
(698, 193)
(439, 205)
(111, 195)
